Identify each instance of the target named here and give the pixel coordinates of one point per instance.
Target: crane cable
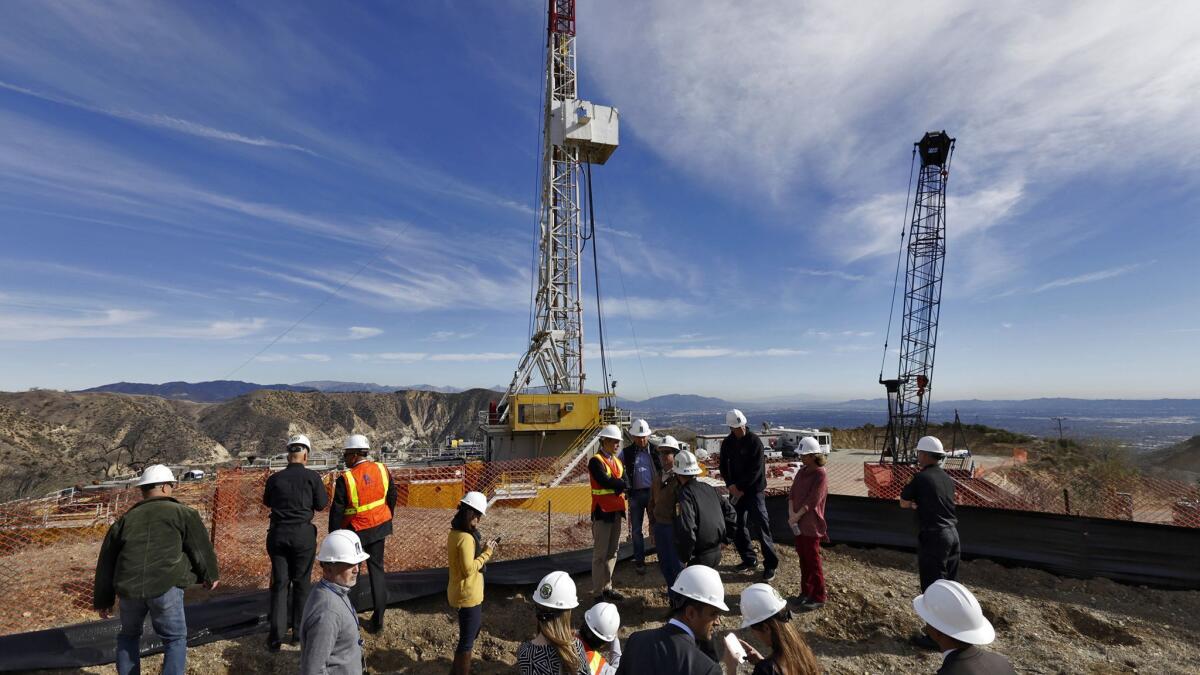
(899, 256)
(591, 236)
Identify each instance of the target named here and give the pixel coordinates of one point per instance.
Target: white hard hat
(356, 442)
(931, 445)
(342, 546)
(735, 418)
(759, 603)
(686, 464)
(702, 454)
(703, 584)
(949, 607)
(639, 428)
(299, 439)
(604, 620)
(611, 431)
(669, 442)
(808, 446)
(153, 475)
(475, 500)
(556, 591)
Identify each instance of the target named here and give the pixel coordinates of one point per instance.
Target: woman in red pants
(806, 515)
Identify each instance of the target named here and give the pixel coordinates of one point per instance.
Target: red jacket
(809, 489)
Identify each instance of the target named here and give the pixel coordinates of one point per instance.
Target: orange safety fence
(48, 547)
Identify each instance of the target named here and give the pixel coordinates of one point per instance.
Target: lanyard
(346, 600)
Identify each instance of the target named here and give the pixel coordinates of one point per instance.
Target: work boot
(613, 595)
(273, 646)
(639, 566)
(769, 574)
(746, 566)
(808, 605)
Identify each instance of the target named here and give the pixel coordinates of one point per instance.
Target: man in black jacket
(701, 516)
(743, 466)
(931, 494)
(955, 622)
(292, 494)
(697, 600)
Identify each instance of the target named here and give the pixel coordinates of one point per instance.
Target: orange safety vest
(595, 661)
(608, 500)
(366, 491)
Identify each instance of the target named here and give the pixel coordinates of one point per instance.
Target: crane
(576, 134)
(909, 394)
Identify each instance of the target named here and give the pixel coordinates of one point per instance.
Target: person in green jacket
(466, 559)
(154, 551)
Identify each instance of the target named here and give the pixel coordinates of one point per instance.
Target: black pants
(752, 521)
(710, 558)
(937, 555)
(291, 549)
(377, 582)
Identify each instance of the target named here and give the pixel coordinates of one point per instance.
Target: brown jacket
(662, 498)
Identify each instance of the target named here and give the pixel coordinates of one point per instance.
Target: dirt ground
(1045, 624)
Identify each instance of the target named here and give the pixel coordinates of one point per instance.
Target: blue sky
(180, 183)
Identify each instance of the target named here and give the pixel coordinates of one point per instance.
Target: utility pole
(1060, 433)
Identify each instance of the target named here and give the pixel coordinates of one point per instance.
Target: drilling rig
(908, 395)
(558, 416)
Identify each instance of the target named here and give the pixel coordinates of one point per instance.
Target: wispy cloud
(161, 121)
(413, 357)
(1089, 278)
(363, 332)
(85, 323)
(837, 274)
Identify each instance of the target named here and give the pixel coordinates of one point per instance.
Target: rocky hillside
(50, 439)
(1181, 460)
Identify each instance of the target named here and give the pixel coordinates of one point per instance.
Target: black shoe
(808, 605)
(614, 596)
(746, 567)
(769, 574)
(639, 566)
(925, 642)
(373, 627)
(273, 646)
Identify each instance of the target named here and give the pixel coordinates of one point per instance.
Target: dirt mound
(1044, 624)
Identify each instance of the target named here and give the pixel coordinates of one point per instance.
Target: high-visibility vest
(595, 661)
(607, 499)
(366, 496)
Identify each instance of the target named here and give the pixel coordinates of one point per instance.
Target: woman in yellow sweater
(467, 558)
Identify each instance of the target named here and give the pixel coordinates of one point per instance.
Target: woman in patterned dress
(554, 650)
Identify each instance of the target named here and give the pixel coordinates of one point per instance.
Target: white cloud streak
(1089, 278)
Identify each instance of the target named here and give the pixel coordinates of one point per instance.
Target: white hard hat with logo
(931, 445)
(154, 475)
(702, 584)
(735, 418)
(356, 442)
(475, 500)
(604, 620)
(759, 603)
(809, 446)
(949, 607)
(668, 442)
(342, 546)
(556, 591)
(299, 439)
(686, 464)
(639, 428)
(611, 431)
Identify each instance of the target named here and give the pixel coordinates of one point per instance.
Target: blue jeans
(753, 522)
(668, 556)
(639, 500)
(170, 625)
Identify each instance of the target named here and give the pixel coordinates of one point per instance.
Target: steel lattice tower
(909, 395)
(556, 343)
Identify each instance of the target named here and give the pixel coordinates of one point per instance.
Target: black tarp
(94, 643)
(1164, 556)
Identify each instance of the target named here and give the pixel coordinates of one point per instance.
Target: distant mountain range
(334, 386)
(199, 392)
